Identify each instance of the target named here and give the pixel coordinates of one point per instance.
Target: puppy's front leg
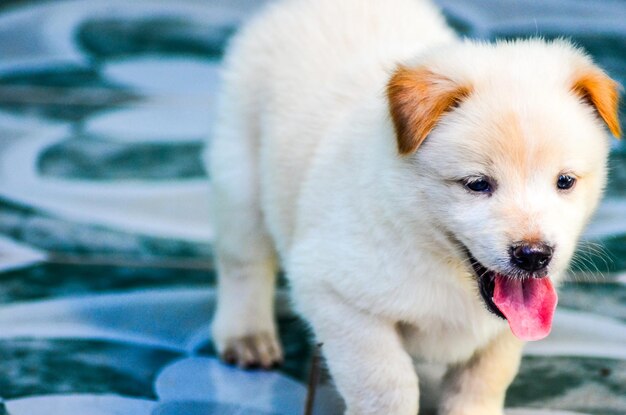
(478, 386)
(369, 365)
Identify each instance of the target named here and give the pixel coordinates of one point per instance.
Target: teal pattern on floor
(106, 275)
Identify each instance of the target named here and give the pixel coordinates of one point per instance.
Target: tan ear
(595, 87)
(417, 98)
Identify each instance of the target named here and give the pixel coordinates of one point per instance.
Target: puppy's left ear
(596, 88)
(417, 99)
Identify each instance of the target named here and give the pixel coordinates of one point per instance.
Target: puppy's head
(509, 145)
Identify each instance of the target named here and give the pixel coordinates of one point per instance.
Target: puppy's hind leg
(244, 330)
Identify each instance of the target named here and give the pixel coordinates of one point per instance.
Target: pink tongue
(528, 305)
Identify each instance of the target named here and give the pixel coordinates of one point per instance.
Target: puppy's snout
(531, 257)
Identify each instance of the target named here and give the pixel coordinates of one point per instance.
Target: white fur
(304, 164)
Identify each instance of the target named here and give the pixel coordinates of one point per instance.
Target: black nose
(531, 257)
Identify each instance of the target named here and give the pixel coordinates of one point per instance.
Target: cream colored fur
(306, 173)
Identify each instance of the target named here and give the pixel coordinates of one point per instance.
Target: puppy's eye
(565, 182)
(479, 185)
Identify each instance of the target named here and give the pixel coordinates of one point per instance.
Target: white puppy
(420, 191)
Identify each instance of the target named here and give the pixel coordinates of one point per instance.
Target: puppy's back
(296, 67)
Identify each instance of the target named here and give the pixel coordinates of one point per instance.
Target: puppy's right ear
(417, 99)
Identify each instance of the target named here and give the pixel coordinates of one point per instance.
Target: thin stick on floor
(314, 378)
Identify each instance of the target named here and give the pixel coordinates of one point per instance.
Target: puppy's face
(516, 183)
(510, 174)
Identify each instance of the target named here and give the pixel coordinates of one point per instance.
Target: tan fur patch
(506, 138)
(417, 98)
(600, 91)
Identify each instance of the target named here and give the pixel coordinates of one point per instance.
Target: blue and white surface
(106, 277)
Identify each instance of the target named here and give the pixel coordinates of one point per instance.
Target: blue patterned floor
(106, 277)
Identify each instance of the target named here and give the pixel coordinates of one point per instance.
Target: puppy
(420, 191)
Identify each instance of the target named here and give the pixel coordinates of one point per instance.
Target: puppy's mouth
(486, 285)
(527, 303)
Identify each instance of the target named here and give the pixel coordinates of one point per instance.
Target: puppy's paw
(473, 410)
(253, 350)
